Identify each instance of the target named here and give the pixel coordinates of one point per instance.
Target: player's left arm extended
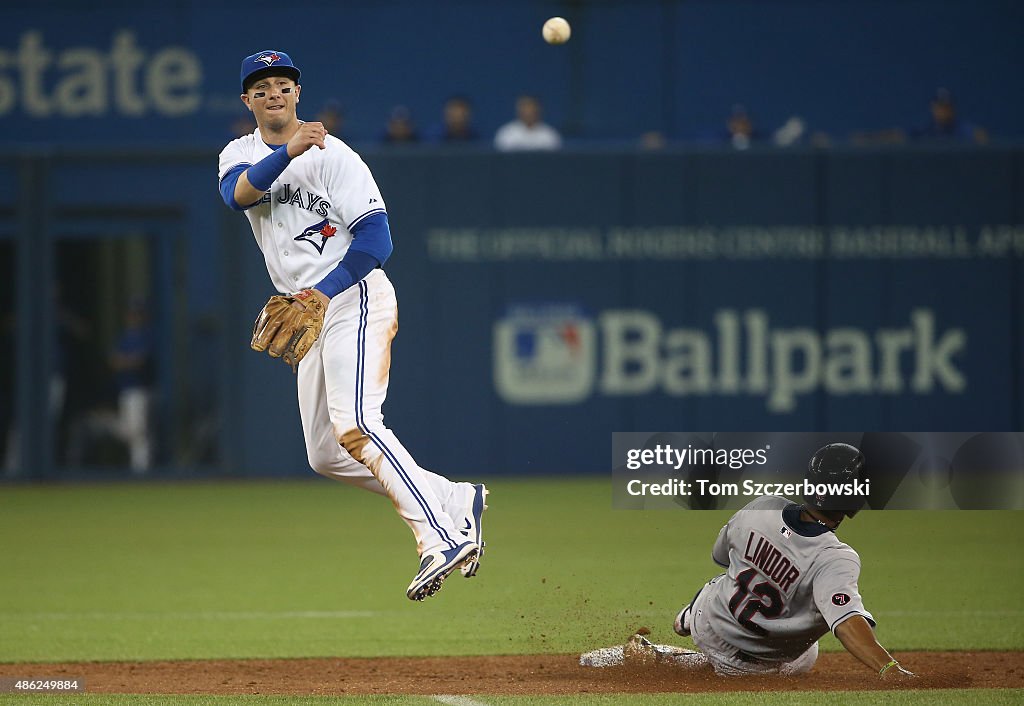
(859, 639)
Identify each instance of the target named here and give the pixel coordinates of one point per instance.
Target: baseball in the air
(556, 31)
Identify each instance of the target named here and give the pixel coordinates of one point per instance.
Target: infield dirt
(518, 674)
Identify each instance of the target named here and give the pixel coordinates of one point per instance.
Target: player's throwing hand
(308, 135)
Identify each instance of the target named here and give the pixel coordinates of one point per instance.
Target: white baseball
(556, 31)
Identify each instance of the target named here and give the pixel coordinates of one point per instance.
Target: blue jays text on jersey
(312, 202)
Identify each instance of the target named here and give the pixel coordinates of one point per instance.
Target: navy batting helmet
(834, 464)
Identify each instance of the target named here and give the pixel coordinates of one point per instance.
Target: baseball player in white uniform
(789, 580)
(321, 223)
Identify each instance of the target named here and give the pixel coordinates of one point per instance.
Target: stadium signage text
(559, 355)
(78, 81)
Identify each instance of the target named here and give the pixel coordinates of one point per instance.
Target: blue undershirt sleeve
(372, 236)
(371, 246)
(227, 186)
(261, 175)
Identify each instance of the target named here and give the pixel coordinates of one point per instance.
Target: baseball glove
(287, 331)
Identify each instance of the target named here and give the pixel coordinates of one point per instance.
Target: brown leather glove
(288, 326)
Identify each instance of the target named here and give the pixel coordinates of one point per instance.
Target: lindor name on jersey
(772, 562)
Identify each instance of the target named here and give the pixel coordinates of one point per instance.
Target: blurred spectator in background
(739, 130)
(132, 363)
(528, 131)
(794, 132)
(333, 118)
(790, 133)
(946, 125)
(400, 129)
(456, 123)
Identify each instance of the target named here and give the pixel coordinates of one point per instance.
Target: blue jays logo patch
(317, 235)
(268, 59)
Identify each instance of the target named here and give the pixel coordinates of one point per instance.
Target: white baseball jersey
(783, 590)
(303, 223)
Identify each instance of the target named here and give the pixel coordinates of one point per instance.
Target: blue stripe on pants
(361, 423)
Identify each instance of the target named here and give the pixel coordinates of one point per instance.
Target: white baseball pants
(342, 383)
(728, 660)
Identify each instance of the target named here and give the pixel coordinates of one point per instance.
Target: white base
(663, 654)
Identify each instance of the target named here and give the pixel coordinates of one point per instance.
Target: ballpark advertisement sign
(556, 354)
(545, 355)
(45, 78)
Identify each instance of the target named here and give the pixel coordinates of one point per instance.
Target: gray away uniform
(787, 584)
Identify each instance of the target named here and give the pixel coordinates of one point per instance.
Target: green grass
(292, 569)
(975, 697)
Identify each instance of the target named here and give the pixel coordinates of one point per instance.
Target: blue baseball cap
(267, 63)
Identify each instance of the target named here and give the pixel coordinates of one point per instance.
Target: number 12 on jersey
(749, 601)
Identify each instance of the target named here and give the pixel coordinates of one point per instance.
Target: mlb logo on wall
(544, 354)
